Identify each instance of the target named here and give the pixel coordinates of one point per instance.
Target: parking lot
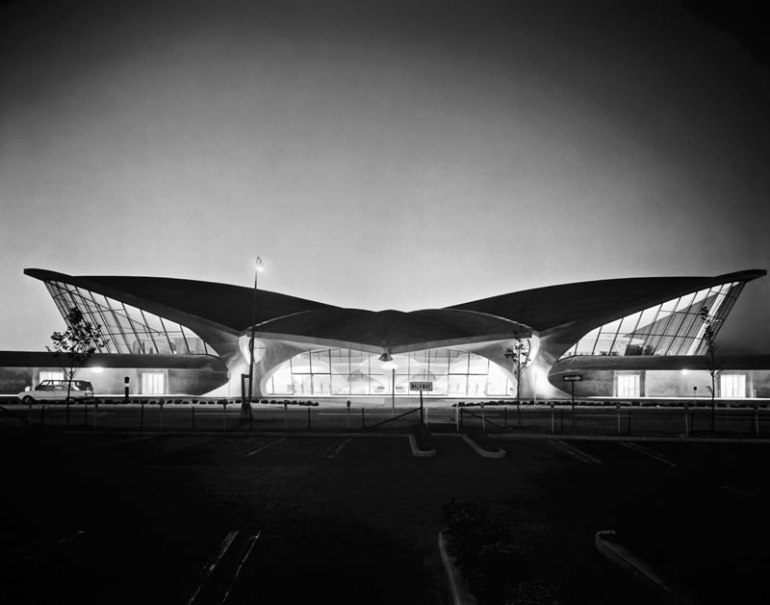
(97, 517)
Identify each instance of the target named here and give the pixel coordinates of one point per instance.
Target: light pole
(257, 270)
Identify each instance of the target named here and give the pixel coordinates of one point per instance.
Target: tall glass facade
(127, 329)
(674, 327)
(347, 372)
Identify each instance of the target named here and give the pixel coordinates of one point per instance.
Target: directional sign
(572, 377)
(420, 386)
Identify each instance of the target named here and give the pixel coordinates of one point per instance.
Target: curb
(461, 595)
(482, 452)
(626, 560)
(417, 451)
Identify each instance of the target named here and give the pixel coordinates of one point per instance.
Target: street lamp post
(257, 269)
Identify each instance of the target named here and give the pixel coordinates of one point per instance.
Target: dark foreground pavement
(93, 517)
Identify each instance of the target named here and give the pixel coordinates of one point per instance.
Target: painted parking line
(252, 540)
(640, 449)
(335, 448)
(212, 563)
(577, 453)
(267, 445)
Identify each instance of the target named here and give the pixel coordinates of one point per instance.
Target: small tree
(709, 336)
(73, 347)
(519, 355)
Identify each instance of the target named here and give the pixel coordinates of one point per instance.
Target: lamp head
(259, 267)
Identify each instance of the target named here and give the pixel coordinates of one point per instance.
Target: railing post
(224, 415)
(686, 423)
(483, 420)
(286, 416)
(193, 416)
(553, 420)
(457, 417)
(308, 417)
(161, 416)
(756, 420)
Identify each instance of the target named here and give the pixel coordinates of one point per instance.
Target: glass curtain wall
(675, 327)
(348, 372)
(127, 329)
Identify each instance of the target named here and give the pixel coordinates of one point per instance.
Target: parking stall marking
(576, 453)
(252, 540)
(264, 447)
(335, 448)
(640, 449)
(212, 563)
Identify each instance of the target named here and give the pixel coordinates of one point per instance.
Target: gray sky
(379, 155)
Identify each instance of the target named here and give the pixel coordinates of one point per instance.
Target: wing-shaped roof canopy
(552, 306)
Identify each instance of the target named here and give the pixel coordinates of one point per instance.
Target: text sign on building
(420, 386)
(572, 377)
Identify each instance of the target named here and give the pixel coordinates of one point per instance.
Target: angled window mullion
(133, 328)
(165, 332)
(184, 338)
(149, 331)
(652, 323)
(99, 310)
(664, 329)
(117, 323)
(679, 321)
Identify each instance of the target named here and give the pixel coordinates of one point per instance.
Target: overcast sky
(379, 155)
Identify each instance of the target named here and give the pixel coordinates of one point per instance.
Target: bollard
(619, 431)
(96, 413)
(686, 424)
(161, 416)
(483, 419)
(141, 415)
(42, 415)
(628, 425)
(553, 420)
(193, 416)
(85, 414)
(561, 421)
(68, 412)
(505, 417)
(29, 414)
(224, 415)
(363, 419)
(348, 404)
(285, 415)
(457, 418)
(518, 412)
(308, 418)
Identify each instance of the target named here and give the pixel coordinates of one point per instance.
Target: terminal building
(625, 338)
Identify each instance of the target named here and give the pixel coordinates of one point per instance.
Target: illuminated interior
(127, 329)
(674, 327)
(347, 372)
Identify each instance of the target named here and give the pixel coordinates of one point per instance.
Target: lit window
(628, 385)
(732, 386)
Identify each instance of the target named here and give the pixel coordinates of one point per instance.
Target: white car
(56, 390)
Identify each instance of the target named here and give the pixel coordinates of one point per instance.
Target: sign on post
(420, 386)
(572, 377)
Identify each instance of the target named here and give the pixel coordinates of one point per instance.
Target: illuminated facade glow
(627, 338)
(674, 327)
(127, 329)
(324, 372)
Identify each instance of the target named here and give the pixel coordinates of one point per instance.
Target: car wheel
(28, 399)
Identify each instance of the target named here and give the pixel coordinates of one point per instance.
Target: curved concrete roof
(539, 309)
(545, 308)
